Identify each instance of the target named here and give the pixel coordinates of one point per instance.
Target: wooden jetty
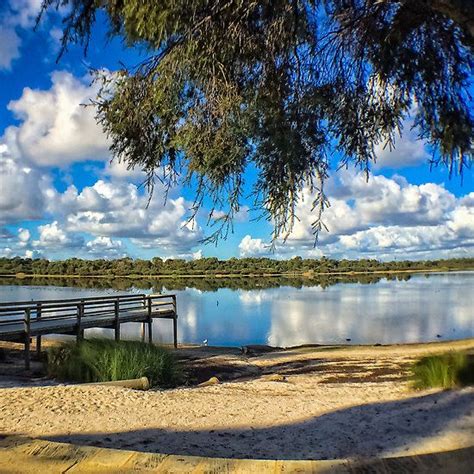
(20, 321)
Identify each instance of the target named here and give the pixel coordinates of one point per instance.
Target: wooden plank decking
(20, 321)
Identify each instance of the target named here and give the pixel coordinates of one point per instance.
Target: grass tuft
(449, 370)
(104, 360)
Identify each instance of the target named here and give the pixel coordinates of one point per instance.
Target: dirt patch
(198, 372)
(328, 370)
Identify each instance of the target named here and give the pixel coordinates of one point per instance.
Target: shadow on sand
(371, 430)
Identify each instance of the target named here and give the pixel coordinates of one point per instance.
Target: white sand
(311, 416)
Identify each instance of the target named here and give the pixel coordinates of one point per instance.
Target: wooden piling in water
(38, 338)
(150, 321)
(175, 323)
(117, 320)
(80, 331)
(27, 337)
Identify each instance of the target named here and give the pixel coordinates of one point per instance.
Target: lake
(287, 312)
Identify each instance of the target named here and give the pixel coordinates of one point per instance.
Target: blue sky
(60, 196)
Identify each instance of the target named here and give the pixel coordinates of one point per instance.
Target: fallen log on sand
(137, 384)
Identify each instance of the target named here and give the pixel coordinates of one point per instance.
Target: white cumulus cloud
(56, 128)
(409, 150)
(9, 47)
(383, 218)
(250, 247)
(15, 15)
(53, 237)
(105, 247)
(119, 209)
(23, 189)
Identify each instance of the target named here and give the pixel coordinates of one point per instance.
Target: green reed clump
(449, 370)
(103, 360)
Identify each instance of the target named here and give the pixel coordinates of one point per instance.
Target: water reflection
(158, 285)
(386, 313)
(285, 312)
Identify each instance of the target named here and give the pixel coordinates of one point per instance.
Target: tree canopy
(279, 86)
(211, 266)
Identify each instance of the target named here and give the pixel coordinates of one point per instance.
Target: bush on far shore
(449, 370)
(104, 360)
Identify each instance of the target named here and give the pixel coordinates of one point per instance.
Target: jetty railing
(20, 321)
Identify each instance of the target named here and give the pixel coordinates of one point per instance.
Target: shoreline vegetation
(238, 275)
(448, 370)
(214, 268)
(105, 360)
(363, 272)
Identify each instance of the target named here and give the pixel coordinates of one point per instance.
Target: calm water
(385, 311)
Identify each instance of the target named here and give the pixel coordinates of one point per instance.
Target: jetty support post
(80, 314)
(27, 321)
(175, 323)
(150, 321)
(38, 338)
(117, 320)
(143, 324)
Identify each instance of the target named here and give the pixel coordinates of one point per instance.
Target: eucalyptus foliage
(279, 86)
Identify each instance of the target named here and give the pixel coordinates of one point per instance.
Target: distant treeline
(128, 267)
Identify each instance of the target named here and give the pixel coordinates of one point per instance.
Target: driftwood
(137, 384)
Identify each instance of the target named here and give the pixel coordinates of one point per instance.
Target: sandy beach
(346, 402)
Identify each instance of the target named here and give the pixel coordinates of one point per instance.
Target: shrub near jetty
(102, 360)
(453, 369)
